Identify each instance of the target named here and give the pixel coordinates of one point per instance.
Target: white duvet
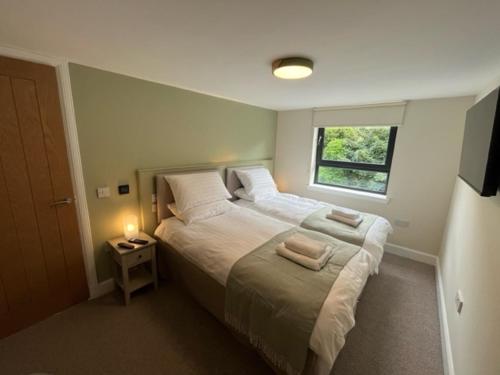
(294, 210)
(216, 244)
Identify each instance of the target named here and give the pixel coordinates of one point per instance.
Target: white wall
(470, 261)
(424, 168)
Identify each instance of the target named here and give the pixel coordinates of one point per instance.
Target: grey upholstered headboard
(233, 183)
(149, 199)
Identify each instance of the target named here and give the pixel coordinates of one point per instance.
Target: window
(356, 158)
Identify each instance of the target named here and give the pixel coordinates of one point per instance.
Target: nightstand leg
(126, 286)
(155, 269)
(116, 269)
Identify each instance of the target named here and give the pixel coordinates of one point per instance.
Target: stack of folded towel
(346, 216)
(305, 251)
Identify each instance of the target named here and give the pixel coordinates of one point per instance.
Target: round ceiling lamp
(292, 68)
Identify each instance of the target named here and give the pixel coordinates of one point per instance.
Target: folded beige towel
(313, 264)
(352, 222)
(345, 212)
(306, 246)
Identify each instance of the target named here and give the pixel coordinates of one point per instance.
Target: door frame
(71, 134)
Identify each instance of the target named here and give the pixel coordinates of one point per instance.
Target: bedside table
(134, 268)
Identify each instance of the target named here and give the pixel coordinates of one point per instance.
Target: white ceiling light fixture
(292, 68)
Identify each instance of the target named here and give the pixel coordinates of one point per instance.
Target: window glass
(353, 178)
(358, 145)
(357, 158)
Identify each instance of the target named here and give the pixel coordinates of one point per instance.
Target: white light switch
(103, 192)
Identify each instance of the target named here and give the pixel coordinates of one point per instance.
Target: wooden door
(41, 260)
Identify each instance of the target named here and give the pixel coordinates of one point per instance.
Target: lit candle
(130, 226)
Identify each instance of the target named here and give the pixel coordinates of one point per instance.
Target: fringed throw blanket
(318, 222)
(275, 302)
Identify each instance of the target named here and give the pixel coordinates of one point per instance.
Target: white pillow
(257, 182)
(173, 208)
(202, 212)
(242, 194)
(196, 189)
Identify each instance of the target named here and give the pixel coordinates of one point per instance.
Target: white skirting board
(406, 252)
(105, 287)
(449, 368)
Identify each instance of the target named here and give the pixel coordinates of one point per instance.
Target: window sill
(350, 193)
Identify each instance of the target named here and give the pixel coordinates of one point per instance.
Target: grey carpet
(397, 324)
(166, 332)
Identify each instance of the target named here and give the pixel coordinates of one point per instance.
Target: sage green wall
(125, 124)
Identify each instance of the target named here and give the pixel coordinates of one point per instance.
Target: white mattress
(217, 243)
(294, 210)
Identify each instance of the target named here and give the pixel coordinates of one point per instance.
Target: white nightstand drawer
(138, 257)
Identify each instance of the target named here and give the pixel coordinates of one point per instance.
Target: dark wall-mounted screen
(480, 164)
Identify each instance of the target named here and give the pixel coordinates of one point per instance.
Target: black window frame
(385, 168)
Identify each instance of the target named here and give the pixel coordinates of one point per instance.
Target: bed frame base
(208, 293)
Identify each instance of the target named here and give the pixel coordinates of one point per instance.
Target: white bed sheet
(294, 210)
(216, 244)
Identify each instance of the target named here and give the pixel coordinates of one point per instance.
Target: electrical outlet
(103, 192)
(459, 301)
(401, 223)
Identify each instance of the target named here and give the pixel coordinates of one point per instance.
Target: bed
(205, 245)
(201, 256)
(296, 210)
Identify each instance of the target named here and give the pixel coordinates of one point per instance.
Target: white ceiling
(365, 51)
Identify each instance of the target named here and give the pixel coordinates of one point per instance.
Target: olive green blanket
(318, 222)
(275, 302)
